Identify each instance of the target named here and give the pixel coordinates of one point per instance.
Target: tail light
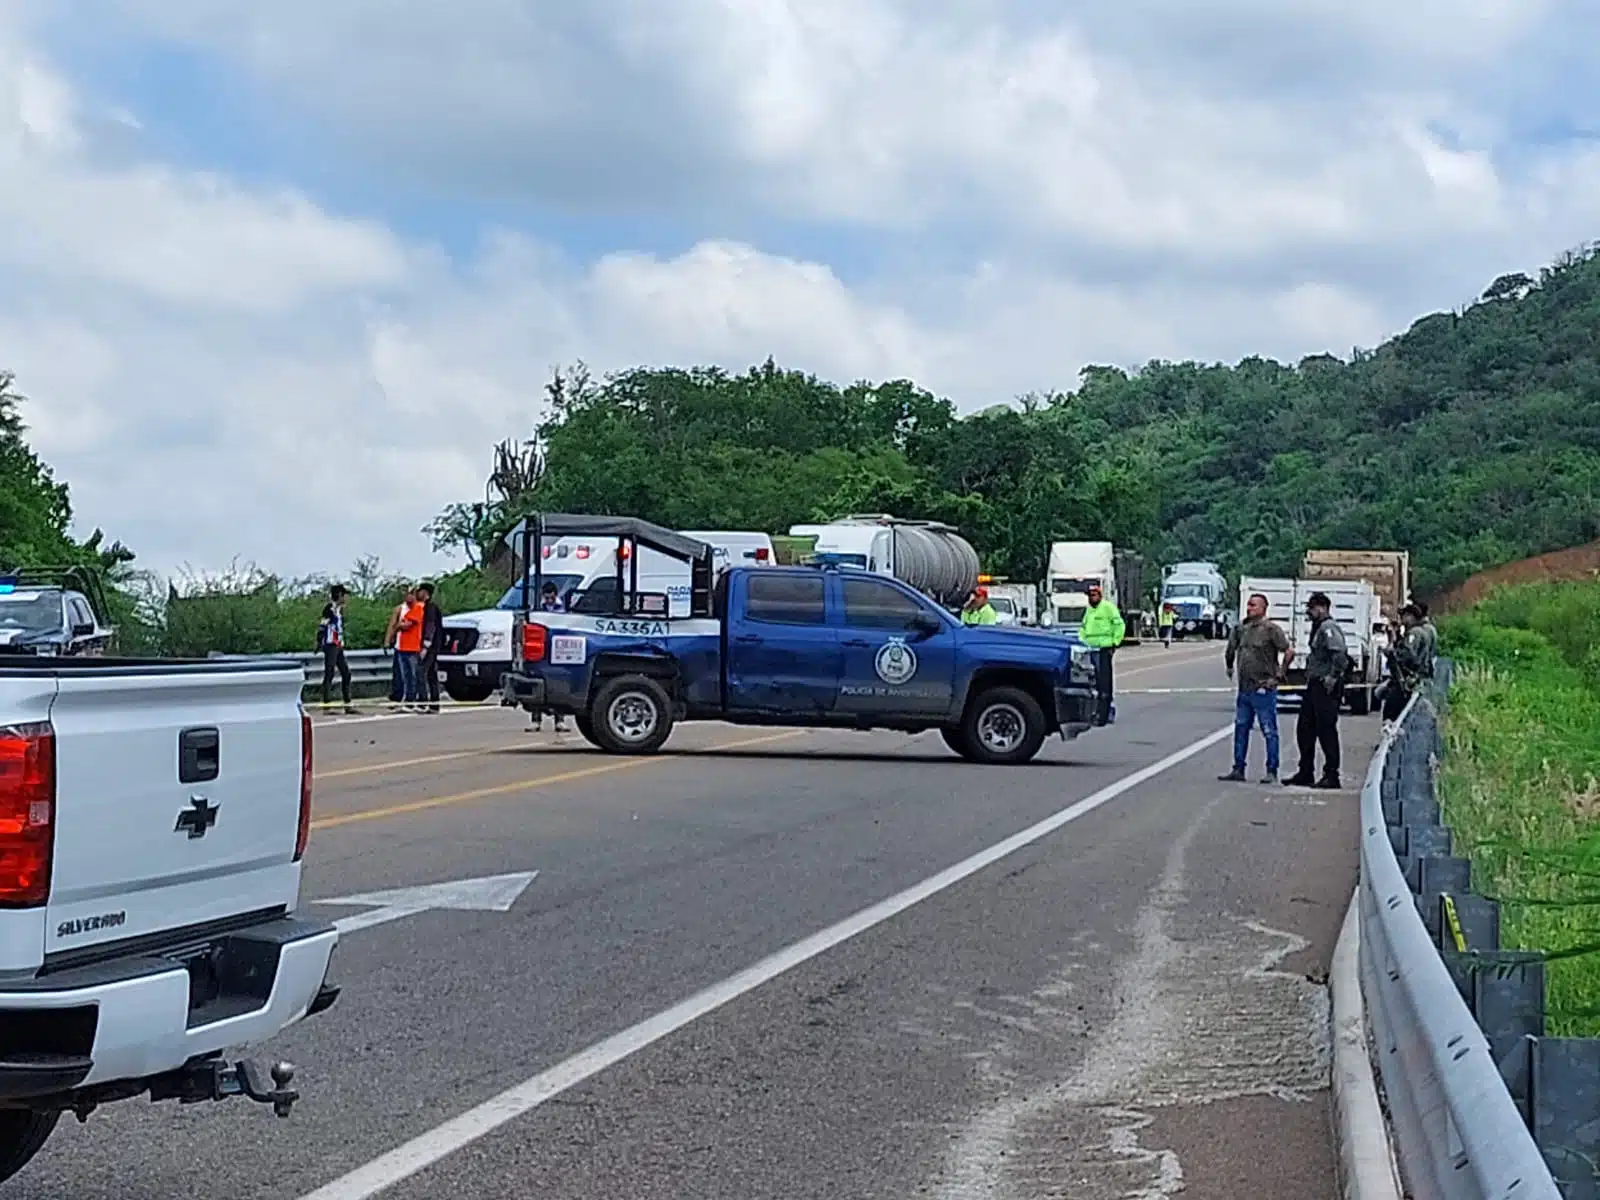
(304, 833)
(583, 552)
(761, 554)
(534, 638)
(27, 814)
(624, 552)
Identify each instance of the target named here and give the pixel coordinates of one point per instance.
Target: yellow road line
(525, 785)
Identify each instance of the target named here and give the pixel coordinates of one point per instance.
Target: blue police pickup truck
(790, 646)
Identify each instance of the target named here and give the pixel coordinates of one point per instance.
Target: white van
(477, 645)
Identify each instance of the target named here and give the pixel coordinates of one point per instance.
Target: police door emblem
(896, 662)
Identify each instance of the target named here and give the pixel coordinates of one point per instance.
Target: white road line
(328, 722)
(426, 1149)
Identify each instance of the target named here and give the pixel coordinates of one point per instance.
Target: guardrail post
(1564, 1096)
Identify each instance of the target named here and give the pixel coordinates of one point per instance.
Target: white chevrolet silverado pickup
(153, 816)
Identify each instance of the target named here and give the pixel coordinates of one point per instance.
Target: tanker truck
(932, 557)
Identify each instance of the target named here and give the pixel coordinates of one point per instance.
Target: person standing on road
(1411, 661)
(1327, 664)
(1262, 653)
(330, 640)
(1102, 631)
(390, 635)
(978, 610)
(549, 601)
(408, 650)
(1165, 620)
(432, 643)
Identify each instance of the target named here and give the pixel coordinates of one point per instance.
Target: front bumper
(1075, 711)
(139, 1016)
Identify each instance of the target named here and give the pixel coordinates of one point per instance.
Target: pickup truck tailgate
(177, 801)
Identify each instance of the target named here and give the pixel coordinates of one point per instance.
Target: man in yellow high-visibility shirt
(1102, 631)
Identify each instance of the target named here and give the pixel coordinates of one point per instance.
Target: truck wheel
(956, 740)
(1003, 726)
(22, 1135)
(586, 729)
(465, 692)
(631, 714)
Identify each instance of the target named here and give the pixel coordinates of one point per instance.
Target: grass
(1521, 779)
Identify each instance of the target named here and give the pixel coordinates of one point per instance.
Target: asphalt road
(1128, 1004)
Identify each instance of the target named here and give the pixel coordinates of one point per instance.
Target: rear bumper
(135, 1017)
(1075, 710)
(536, 693)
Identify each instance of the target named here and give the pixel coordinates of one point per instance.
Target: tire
(586, 729)
(636, 696)
(956, 740)
(22, 1135)
(466, 692)
(1010, 707)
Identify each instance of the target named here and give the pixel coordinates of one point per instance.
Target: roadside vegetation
(1471, 439)
(1521, 782)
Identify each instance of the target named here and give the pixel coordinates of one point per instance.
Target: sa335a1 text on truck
(153, 816)
(791, 646)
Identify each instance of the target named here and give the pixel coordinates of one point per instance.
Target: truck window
(869, 604)
(786, 599)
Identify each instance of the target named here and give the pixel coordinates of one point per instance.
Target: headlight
(492, 641)
(1083, 664)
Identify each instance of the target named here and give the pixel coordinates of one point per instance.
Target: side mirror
(83, 631)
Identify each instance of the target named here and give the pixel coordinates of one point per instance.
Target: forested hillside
(1473, 439)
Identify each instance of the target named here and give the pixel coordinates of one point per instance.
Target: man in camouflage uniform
(1411, 660)
(1327, 665)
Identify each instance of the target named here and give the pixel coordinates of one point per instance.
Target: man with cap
(1327, 664)
(978, 610)
(549, 601)
(1411, 661)
(1102, 631)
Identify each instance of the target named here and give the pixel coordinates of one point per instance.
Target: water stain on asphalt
(1200, 1012)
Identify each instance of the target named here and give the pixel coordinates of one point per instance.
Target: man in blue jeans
(1261, 653)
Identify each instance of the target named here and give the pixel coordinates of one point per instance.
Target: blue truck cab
(789, 646)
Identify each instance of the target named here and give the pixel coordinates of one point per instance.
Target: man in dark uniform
(1327, 665)
(1411, 661)
(432, 643)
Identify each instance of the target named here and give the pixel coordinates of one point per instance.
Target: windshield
(1079, 586)
(33, 612)
(1002, 604)
(565, 584)
(1179, 591)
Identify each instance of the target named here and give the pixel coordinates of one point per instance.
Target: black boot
(1231, 777)
(1299, 779)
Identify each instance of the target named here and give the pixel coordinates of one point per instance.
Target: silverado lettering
(91, 924)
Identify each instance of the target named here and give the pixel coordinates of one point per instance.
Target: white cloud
(223, 369)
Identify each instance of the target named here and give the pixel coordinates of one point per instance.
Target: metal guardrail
(368, 668)
(1457, 1131)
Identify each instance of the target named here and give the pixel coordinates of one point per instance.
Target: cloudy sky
(279, 274)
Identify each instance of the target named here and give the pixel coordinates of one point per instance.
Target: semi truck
(1388, 571)
(1198, 594)
(1355, 608)
(1074, 566)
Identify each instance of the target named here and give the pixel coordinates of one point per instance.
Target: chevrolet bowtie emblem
(200, 816)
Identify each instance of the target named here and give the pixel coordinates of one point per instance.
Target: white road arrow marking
(490, 893)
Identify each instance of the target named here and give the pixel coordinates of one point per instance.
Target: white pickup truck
(153, 817)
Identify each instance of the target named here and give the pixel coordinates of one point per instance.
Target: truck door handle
(199, 755)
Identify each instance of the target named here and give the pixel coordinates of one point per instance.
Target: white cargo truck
(1014, 603)
(1356, 609)
(153, 818)
(1198, 595)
